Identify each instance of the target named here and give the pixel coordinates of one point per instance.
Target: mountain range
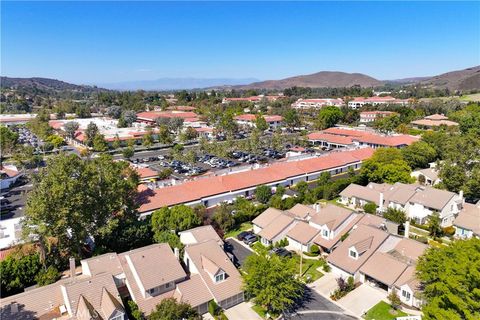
(466, 79)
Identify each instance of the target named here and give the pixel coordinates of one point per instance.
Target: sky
(101, 42)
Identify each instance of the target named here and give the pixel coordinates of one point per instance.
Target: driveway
(362, 299)
(242, 311)
(239, 250)
(318, 307)
(325, 285)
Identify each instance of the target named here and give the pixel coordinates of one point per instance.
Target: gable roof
(203, 233)
(302, 211)
(104, 263)
(432, 197)
(193, 291)
(266, 217)
(384, 268)
(210, 250)
(210, 266)
(302, 232)
(469, 218)
(332, 216)
(365, 239)
(361, 192)
(275, 227)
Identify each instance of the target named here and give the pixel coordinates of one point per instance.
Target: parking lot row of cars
(250, 238)
(26, 137)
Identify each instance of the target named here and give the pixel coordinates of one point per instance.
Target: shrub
(47, 276)
(370, 207)
(394, 300)
(213, 308)
(449, 231)
(326, 267)
(314, 249)
(422, 240)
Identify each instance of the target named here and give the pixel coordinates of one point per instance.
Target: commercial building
(249, 120)
(372, 116)
(317, 103)
(359, 102)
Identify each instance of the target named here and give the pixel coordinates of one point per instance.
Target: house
(219, 275)
(146, 174)
(210, 191)
(317, 103)
(9, 174)
(300, 236)
(428, 176)
(81, 297)
(334, 138)
(206, 132)
(433, 121)
(10, 232)
(277, 229)
(199, 235)
(418, 202)
(467, 223)
(372, 116)
(362, 242)
(249, 120)
(359, 102)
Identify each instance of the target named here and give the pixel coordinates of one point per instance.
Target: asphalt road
(239, 251)
(16, 197)
(317, 307)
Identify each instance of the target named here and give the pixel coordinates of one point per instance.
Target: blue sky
(98, 42)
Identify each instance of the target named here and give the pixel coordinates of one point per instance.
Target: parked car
(243, 234)
(281, 252)
(250, 239)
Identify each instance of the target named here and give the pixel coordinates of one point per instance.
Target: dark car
(227, 246)
(251, 238)
(282, 252)
(243, 234)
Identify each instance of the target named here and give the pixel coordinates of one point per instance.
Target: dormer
(353, 253)
(360, 247)
(216, 273)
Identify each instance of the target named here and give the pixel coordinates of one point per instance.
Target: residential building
(334, 138)
(467, 223)
(249, 120)
(430, 176)
(199, 235)
(418, 202)
(433, 121)
(252, 99)
(9, 174)
(219, 275)
(372, 116)
(190, 119)
(317, 103)
(359, 102)
(10, 232)
(210, 191)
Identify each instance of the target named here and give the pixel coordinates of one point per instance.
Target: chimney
(317, 207)
(176, 252)
(461, 195)
(407, 228)
(72, 268)
(380, 203)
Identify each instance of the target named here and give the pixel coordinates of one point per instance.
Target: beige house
(467, 223)
(199, 235)
(430, 176)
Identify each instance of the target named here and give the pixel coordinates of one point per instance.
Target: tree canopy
(177, 218)
(386, 165)
(170, 309)
(451, 279)
(328, 117)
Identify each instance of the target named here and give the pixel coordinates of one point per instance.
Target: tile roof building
(467, 223)
(433, 121)
(372, 116)
(211, 191)
(359, 102)
(273, 121)
(317, 103)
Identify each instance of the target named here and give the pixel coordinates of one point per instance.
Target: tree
(147, 140)
(99, 143)
(55, 140)
(116, 143)
(90, 133)
(394, 300)
(449, 277)
(395, 215)
(385, 166)
(178, 218)
(223, 217)
(291, 118)
(175, 124)
(47, 276)
(70, 128)
(263, 193)
(114, 112)
(162, 121)
(419, 154)
(260, 122)
(434, 225)
(130, 117)
(370, 208)
(387, 124)
(8, 140)
(18, 272)
(190, 134)
(169, 308)
(128, 152)
(164, 135)
(328, 117)
(168, 237)
(74, 198)
(271, 282)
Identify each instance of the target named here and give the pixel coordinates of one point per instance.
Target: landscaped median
(383, 311)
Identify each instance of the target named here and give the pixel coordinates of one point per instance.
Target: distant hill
(466, 79)
(44, 84)
(176, 83)
(323, 79)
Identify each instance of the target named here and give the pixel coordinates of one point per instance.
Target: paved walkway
(362, 299)
(242, 311)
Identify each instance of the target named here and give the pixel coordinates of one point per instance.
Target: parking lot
(26, 137)
(13, 200)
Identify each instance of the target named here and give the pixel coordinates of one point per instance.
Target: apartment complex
(317, 103)
(359, 102)
(372, 116)
(249, 120)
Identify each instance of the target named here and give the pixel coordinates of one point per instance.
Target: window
(353, 254)
(325, 233)
(167, 285)
(118, 317)
(406, 294)
(219, 277)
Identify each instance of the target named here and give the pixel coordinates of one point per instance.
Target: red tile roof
(330, 138)
(153, 115)
(197, 189)
(146, 173)
(347, 136)
(252, 117)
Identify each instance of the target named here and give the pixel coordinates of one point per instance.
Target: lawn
(262, 312)
(243, 227)
(382, 311)
(309, 267)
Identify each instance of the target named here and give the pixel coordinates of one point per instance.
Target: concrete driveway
(325, 285)
(362, 299)
(240, 251)
(242, 311)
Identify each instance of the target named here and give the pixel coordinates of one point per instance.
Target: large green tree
(272, 282)
(328, 117)
(386, 165)
(8, 140)
(73, 199)
(419, 154)
(450, 276)
(261, 123)
(177, 218)
(170, 309)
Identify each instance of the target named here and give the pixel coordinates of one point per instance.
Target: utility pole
(301, 259)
